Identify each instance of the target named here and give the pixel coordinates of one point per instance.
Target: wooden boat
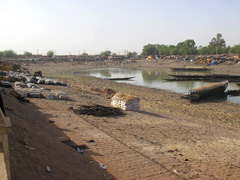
(209, 90)
(210, 78)
(191, 68)
(120, 79)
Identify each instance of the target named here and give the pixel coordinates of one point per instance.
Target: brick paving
(120, 160)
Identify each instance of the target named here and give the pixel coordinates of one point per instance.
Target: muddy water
(154, 79)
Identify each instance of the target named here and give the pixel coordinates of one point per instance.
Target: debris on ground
(98, 111)
(19, 96)
(5, 84)
(29, 147)
(126, 102)
(79, 148)
(61, 95)
(105, 91)
(27, 78)
(48, 95)
(20, 84)
(33, 91)
(101, 166)
(48, 169)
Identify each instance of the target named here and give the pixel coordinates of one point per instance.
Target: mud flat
(169, 138)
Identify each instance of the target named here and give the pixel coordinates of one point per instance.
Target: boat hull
(190, 68)
(210, 90)
(120, 79)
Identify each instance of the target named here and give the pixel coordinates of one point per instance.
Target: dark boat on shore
(206, 91)
(120, 79)
(191, 68)
(210, 78)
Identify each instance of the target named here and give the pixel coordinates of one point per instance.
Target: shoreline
(188, 138)
(88, 82)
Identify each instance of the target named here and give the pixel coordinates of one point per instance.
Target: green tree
(187, 47)
(84, 54)
(227, 49)
(132, 54)
(218, 43)
(106, 53)
(174, 51)
(150, 49)
(204, 51)
(163, 50)
(9, 53)
(1, 54)
(235, 49)
(26, 53)
(50, 53)
(114, 54)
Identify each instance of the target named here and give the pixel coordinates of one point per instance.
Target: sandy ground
(170, 138)
(35, 144)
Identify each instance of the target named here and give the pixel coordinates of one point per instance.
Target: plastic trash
(101, 166)
(48, 169)
(80, 150)
(175, 171)
(32, 148)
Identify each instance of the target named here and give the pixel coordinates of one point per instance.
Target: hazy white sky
(72, 26)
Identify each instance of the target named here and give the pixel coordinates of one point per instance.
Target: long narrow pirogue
(191, 68)
(120, 79)
(208, 90)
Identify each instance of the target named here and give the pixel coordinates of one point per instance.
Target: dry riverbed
(188, 140)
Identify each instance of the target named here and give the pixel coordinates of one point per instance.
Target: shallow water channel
(154, 79)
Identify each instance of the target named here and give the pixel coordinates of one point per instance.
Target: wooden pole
(5, 129)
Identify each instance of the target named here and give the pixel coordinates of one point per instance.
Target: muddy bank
(196, 140)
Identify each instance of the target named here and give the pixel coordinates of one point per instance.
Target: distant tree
(9, 53)
(204, 51)
(174, 51)
(235, 49)
(1, 54)
(26, 53)
(114, 54)
(226, 50)
(84, 54)
(187, 47)
(216, 46)
(50, 53)
(163, 50)
(132, 54)
(150, 49)
(106, 53)
(217, 43)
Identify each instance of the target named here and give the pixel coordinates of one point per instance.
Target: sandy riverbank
(192, 140)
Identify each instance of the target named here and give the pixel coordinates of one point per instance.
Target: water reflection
(153, 79)
(189, 84)
(105, 73)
